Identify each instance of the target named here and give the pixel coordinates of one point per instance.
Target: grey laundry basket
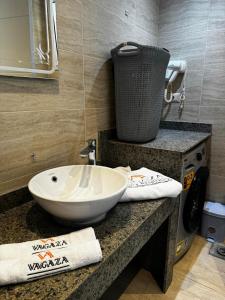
(139, 75)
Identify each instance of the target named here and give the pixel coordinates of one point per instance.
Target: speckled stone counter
(127, 228)
(163, 154)
(176, 140)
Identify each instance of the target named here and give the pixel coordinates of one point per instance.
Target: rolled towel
(48, 263)
(145, 184)
(8, 251)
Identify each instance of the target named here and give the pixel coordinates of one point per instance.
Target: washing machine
(195, 173)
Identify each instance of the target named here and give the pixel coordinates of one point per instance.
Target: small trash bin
(139, 75)
(213, 221)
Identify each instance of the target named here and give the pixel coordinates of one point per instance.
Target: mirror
(28, 38)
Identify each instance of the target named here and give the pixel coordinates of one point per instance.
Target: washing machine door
(194, 203)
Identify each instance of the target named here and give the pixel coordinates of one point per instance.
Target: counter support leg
(162, 247)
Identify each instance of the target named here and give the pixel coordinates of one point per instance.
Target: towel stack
(41, 258)
(145, 184)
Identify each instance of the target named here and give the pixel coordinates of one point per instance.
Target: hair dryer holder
(175, 82)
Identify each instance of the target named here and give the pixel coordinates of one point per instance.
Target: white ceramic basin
(78, 194)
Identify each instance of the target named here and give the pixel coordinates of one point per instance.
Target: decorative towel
(145, 184)
(9, 251)
(49, 262)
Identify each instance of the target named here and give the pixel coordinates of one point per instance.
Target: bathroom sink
(78, 194)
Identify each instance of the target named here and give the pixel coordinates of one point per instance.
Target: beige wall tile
(118, 8)
(69, 25)
(183, 12)
(194, 30)
(189, 114)
(104, 34)
(14, 184)
(193, 85)
(51, 135)
(21, 94)
(148, 14)
(99, 119)
(215, 40)
(214, 85)
(217, 156)
(216, 15)
(215, 190)
(16, 158)
(53, 119)
(212, 115)
(219, 130)
(99, 83)
(146, 38)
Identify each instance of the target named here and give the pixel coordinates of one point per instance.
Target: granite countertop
(177, 140)
(122, 234)
(173, 140)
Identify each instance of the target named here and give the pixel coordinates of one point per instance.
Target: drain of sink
(54, 179)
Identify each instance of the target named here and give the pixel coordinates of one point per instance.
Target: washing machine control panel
(201, 153)
(196, 156)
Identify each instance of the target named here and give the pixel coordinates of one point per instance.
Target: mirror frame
(39, 73)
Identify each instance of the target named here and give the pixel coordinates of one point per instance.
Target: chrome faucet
(90, 152)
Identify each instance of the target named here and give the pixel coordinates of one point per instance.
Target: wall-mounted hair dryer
(175, 82)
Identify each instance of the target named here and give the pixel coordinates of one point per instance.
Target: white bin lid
(214, 209)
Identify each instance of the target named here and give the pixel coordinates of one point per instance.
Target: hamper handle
(128, 52)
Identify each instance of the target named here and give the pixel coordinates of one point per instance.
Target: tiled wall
(54, 118)
(195, 31)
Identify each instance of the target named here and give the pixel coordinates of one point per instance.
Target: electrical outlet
(126, 13)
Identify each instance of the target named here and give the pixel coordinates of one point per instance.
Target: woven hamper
(139, 75)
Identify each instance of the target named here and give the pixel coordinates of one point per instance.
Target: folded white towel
(145, 184)
(50, 262)
(8, 251)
